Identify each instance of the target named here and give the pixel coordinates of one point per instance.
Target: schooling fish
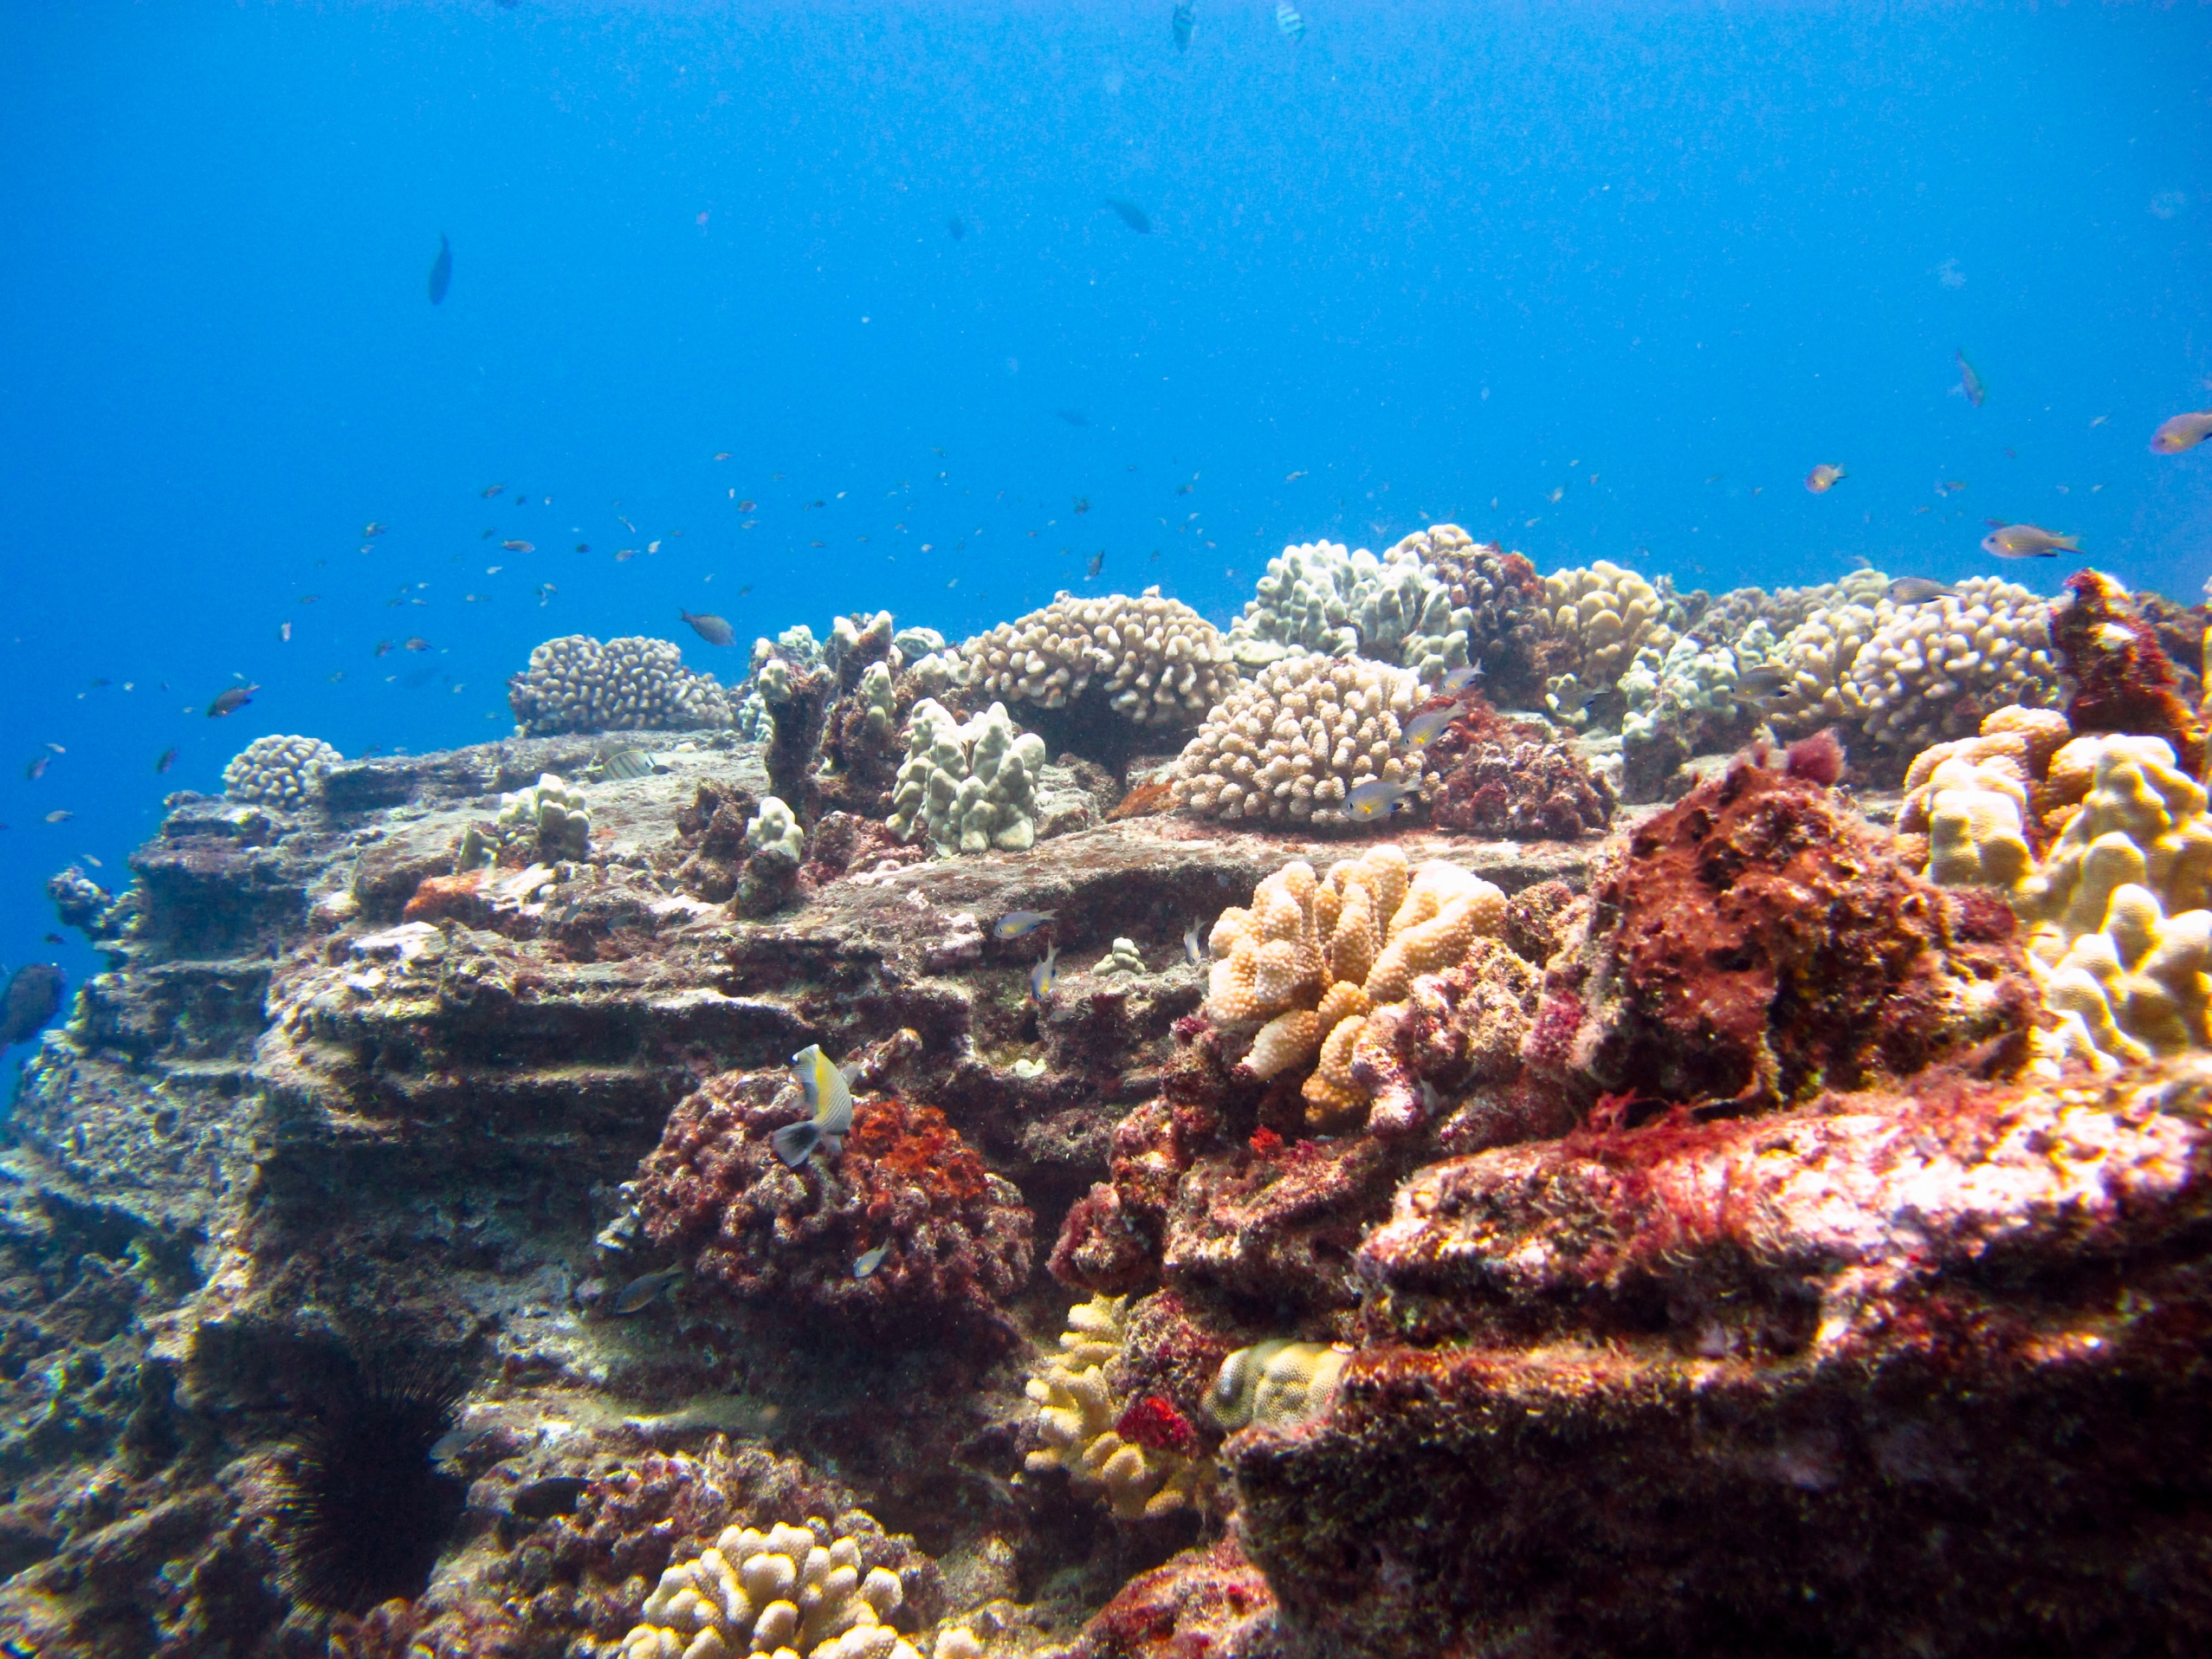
(441, 270)
(2182, 432)
(1824, 477)
(1424, 729)
(1183, 19)
(1460, 679)
(956, 229)
(1194, 947)
(1042, 976)
(1917, 589)
(1377, 798)
(1132, 215)
(2027, 541)
(230, 702)
(643, 1292)
(871, 1259)
(36, 769)
(829, 1098)
(1968, 381)
(1014, 924)
(710, 627)
(490, 490)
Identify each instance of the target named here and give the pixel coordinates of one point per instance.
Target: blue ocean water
(1596, 281)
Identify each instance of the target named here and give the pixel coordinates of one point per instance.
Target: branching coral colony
(1452, 1229)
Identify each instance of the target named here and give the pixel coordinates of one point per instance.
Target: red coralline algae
(1462, 1027)
(1208, 1604)
(846, 843)
(1505, 778)
(459, 899)
(1277, 1231)
(787, 1240)
(1818, 759)
(1099, 1247)
(1758, 942)
(2124, 682)
(1153, 1421)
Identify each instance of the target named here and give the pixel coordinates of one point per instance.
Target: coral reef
(1512, 778)
(1604, 616)
(576, 684)
(969, 785)
(1209, 1601)
(1292, 743)
(1152, 662)
(1687, 700)
(1080, 1422)
(545, 823)
(787, 1590)
(1988, 800)
(281, 772)
(1509, 620)
(775, 844)
(2123, 678)
(1758, 942)
(1321, 596)
(1276, 1384)
(955, 1236)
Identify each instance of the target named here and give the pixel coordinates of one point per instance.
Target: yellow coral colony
(1077, 1413)
(1276, 1384)
(1317, 959)
(2119, 932)
(782, 1593)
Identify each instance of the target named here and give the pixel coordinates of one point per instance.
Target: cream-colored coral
(1291, 744)
(1077, 1413)
(1316, 958)
(280, 771)
(1610, 614)
(972, 785)
(2012, 757)
(1159, 662)
(547, 821)
(578, 683)
(1275, 1384)
(1321, 596)
(780, 1592)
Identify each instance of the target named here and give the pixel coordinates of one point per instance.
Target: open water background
(1441, 260)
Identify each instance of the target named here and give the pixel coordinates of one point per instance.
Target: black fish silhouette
(1132, 215)
(441, 270)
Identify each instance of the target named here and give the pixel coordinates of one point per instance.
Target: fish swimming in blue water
(1132, 215)
(441, 270)
(1014, 924)
(1424, 729)
(2027, 541)
(1288, 20)
(829, 1098)
(1968, 381)
(1377, 798)
(708, 627)
(1460, 679)
(2182, 432)
(871, 1259)
(1183, 20)
(1042, 976)
(956, 229)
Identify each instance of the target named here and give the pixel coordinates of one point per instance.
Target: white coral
(1294, 742)
(1158, 662)
(970, 785)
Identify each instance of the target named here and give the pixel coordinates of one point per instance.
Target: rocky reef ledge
(1690, 1242)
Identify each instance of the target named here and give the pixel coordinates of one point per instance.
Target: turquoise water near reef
(1596, 281)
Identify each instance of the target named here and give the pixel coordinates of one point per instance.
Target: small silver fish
(1042, 976)
(1460, 679)
(2027, 541)
(1424, 729)
(1377, 798)
(829, 1098)
(871, 1259)
(641, 1293)
(1194, 947)
(625, 765)
(1761, 679)
(454, 1442)
(1015, 924)
(1917, 589)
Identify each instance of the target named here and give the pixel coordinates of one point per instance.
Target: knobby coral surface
(1155, 661)
(1291, 744)
(578, 683)
(1086, 1428)
(1512, 778)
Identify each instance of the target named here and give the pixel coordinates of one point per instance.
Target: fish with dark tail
(711, 628)
(441, 270)
(230, 702)
(1969, 383)
(829, 1099)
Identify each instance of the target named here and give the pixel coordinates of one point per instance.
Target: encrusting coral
(1100, 1440)
(954, 1236)
(637, 683)
(970, 785)
(1758, 942)
(786, 1591)
(1315, 958)
(283, 772)
(1154, 662)
(1291, 744)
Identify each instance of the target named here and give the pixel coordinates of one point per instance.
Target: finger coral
(1995, 796)
(576, 684)
(1315, 958)
(714, 1193)
(970, 785)
(283, 772)
(545, 823)
(1758, 942)
(1291, 745)
(1155, 661)
(1605, 615)
(785, 1590)
(1079, 1419)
